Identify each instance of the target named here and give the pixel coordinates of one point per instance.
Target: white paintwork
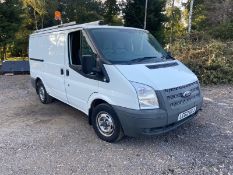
(119, 90)
(51, 49)
(159, 79)
(79, 91)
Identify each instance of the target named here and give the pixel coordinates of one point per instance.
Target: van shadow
(190, 132)
(196, 133)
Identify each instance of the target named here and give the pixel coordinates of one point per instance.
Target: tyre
(106, 124)
(44, 97)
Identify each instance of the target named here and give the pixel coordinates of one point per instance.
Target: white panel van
(120, 77)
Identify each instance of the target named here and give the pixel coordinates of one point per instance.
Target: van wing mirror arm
(96, 70)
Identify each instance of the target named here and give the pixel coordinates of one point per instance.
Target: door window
(82, 58)
(75, 48)
(86, 49)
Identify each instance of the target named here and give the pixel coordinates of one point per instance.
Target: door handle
(62, 72)
(67, 72)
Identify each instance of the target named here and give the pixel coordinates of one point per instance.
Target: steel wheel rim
(105, 124)
(42, 93)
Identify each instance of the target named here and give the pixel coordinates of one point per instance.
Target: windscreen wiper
(137, 60)
(168, 56)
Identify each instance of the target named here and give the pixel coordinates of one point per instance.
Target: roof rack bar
(55, 27)
(67, 24)
(100, 22)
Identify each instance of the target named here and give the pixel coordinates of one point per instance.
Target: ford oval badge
(186, 94)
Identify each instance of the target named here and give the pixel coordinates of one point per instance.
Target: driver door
(79, 82)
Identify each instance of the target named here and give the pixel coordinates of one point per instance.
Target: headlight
(146, 96)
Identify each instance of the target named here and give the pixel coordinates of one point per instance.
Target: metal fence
(15, 67)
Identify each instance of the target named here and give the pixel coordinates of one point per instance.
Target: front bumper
(152, 122)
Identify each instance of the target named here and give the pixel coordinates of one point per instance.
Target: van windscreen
(127, 46)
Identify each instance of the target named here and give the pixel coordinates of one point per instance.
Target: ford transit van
(120, 77)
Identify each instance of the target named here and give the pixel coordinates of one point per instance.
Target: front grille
(175, 96)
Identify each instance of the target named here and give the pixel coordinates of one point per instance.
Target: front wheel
(106, 124)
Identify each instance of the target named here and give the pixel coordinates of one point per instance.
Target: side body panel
(36, 67)
(50, 49)
(119, 90)
(78, 87)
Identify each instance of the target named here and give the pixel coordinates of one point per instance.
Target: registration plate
(187, 113)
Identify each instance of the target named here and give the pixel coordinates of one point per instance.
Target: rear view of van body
(120, 77)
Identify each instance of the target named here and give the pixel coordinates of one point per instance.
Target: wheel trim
(42, 93)
(105, 124)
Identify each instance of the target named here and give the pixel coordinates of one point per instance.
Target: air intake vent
(175, 95)
(158, 66)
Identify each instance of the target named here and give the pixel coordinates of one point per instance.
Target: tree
(219, 12)
(82, 11)
(10, 17)
(214, 18)
(174, 27)
(133, 14)
(190, 16)
(172, 20)
(219, 19)
(19, 46)
(111, 12)
(39, 7)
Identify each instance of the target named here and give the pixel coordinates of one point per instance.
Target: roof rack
(100, 22)
(55, 27)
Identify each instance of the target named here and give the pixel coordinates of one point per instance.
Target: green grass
(17, 59)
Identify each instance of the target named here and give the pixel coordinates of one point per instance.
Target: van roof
(73, 25)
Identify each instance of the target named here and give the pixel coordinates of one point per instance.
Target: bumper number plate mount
(187, 113)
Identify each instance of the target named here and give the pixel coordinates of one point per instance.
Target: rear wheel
(44, 97)
(106, 124)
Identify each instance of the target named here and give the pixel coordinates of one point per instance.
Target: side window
(82, 58)
(86, 49)
(75, 48)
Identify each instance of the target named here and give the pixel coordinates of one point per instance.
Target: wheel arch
(36, 81)
(95, 100)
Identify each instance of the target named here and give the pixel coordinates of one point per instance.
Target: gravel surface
(57, 139)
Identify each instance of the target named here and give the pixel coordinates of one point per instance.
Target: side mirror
(88, 63)
(96, 70)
